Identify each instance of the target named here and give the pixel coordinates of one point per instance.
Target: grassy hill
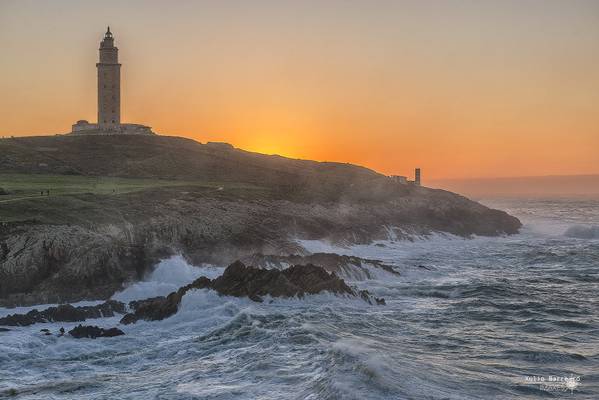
(21, 186)
(172, 158)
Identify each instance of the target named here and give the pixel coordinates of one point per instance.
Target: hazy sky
(459, 88)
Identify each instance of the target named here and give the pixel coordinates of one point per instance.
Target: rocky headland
(208, 202)
(240, 280)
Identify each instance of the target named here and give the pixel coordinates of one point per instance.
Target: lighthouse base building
(83, 127)
(109, 97)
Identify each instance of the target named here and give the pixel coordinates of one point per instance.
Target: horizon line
(594, 174)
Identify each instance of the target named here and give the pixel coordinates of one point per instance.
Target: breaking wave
(583, 232)
(168, 276)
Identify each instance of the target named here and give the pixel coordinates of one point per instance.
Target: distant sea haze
(532, 186)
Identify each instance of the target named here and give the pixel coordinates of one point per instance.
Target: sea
(513, 317)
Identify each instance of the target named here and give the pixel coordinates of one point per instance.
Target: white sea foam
(583, 232)
(323, 246)
(168, 276)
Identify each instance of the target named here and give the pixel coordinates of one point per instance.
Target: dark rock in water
(4, 330)
(93, 332)
(240, 280)
(129, 319)
(3, 192)
(298, 280)
(65, 313)
(366, 296)
(154, 309)
(45, 330)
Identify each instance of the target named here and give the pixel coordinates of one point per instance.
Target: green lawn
(31, 186)
(70, 201)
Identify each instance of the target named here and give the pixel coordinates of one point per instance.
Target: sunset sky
(460, 88)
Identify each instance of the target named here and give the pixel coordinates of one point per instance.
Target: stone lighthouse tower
(109, 84)
(109, 97)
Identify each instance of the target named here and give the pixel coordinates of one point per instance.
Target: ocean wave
(168, 276)
(349, 357)
(583, 232)
(540, 356)
(573, 324)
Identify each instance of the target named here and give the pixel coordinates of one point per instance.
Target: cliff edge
(115, 205)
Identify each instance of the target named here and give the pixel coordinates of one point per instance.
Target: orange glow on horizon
(487, 89)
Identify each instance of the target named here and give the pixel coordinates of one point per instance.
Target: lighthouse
(109, 83)
(109, 97)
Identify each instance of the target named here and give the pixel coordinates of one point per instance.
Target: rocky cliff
(227, 204)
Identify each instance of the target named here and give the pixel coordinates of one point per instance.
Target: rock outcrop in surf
(64, 313)
(240, 280)
(93, 332)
